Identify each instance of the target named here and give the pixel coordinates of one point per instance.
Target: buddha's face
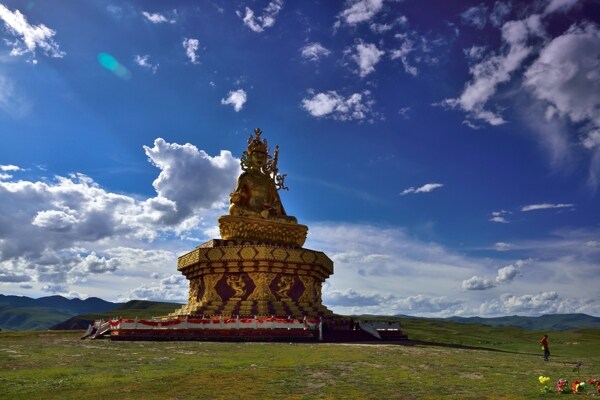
(258, 158)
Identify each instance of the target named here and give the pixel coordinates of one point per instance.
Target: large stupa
(258, 267)
(257, 282)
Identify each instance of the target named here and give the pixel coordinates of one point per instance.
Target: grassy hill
(30, 318)
(555, 322)
(135, 308)
(445, 360)
(18, 313)
(25, 313)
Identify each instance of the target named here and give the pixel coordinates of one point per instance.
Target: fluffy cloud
(549, 302)
(478, 283)
(314, 51)
(366, 55)
(357, 106)
(505, 275)
(189, 180)
(28, 37)
(236, 98)
(191, 47)
(171, 288)
(566, 78)
(157, 18)
(389, 267)
(64, 230)
(144, 62)
(267, 20)
(428, 187)
(358, 11)
(497, 69)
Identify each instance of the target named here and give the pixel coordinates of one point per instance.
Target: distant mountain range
(20, 313)
(57, 312)
(552, 322)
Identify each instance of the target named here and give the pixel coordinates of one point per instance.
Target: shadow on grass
(410, 342)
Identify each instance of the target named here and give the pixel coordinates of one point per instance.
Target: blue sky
(445, 155)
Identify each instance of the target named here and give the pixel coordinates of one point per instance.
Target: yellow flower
(544, 379)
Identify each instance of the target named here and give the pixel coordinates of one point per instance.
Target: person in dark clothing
(544, 342)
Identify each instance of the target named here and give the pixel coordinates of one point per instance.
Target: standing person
(544, 342)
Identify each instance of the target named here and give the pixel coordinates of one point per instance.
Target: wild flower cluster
(578, 386)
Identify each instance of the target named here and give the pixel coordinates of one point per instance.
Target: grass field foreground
(448, 361)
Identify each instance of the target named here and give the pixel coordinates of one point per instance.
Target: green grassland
(446, 360)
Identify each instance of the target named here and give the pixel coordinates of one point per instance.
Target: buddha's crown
(256, 145)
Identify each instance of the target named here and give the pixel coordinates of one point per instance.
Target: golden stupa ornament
(255, 210)
(259, 266)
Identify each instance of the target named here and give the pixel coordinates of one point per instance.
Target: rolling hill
(24, 313)
(554, 322)
(135, 308)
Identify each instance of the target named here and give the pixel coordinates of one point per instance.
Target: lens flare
(114, 66)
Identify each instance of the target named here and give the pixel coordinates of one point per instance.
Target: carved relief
(237, 284)
(262, 282)
(284, 285)
(194, 292)
(210, 283)
(309, 294)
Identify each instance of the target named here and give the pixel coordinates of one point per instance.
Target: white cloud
(566, 79)
(499, 13)
(143, 61)
(382, 28)
(314, 51)
(191, 47)
(545, 206)
(55, 220)
(358, 11)
(189, 180)
(504, 275)
(267, 20)
(357, 106)
(495, 70)
(69, 233)
(9, 167)
(475, 53)
(548, 302)
(478, 283)
(404, 112)
(475, 16)
(29, 37)
(559, 5)
(416, 49)
(172, 288)
(502, 246)
(403, 52)
(157, 18)
(236, 98)
(500, 216)
(366, 55)
(428, 187)
(38, 219)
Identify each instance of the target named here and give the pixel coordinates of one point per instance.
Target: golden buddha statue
(256, 193)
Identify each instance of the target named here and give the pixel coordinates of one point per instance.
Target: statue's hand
(236, 197)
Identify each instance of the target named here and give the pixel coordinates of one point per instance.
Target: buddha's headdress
(257, 145)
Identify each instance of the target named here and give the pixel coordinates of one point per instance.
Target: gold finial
(255, 144)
